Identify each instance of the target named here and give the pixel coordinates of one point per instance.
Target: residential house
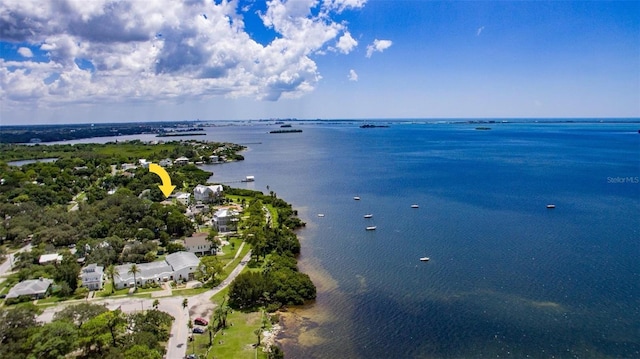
(33, 288)
(176, 266)
(183, 198)
(92, 276)
(199, 244)
(167, 162)
(184, 265)
(181, 161)
(225, 219)
(50, 258)
(208, 194)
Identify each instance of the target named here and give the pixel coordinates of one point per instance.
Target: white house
(198, 244)
(176, 266)
(92, 276)
(181, 161)
(208, 194)
(183, 198)
(225, 219)
(184, 264)
(50, 258)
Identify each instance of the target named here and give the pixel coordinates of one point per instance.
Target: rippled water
(507, 276)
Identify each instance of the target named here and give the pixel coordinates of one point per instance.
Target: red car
(200, 321)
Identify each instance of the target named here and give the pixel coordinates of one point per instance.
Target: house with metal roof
(184, 264)
(34, 288)
(92, 276)
(176, 266)
(50, 258)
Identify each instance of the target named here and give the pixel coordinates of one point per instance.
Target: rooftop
(30, 287)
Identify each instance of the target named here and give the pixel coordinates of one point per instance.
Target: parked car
(198, 330)
(191, 356)
(201, 321)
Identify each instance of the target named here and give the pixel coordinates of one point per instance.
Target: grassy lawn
(237, 341)
(189, 292)
(106, 291)
(52, 299)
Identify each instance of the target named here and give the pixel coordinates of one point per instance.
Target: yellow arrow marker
(166, 187)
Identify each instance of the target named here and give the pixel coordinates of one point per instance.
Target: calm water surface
(507, 276)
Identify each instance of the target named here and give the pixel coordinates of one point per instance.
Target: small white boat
(371, 228)
(368, 215)
(551, 206)
(414, 206)
(320, 214)
(424, 259)
(356, 198)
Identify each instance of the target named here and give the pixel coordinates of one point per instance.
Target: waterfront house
(208, 194)
(32, 288)
(181, 161)
(92, 276)
(225, 219)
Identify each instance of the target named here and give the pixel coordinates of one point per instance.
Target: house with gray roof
(34, 288)
(184, 264)
(176, 266)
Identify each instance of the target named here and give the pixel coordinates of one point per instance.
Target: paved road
(198, 306)
(5, 267)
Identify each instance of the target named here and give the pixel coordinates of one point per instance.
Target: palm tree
(111, 272)
(156, 303)
(258, 333)
(210, 330)
(185, 303)
(134, 270)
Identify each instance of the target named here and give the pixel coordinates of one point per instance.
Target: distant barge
(373, 126)
(179, 134)
(285, 131)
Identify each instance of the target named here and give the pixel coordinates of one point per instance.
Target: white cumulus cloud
(353, 76)
(346, 43)
(25, 52)
(378, 46)
(165, 49)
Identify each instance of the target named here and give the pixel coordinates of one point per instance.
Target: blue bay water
(507, 276)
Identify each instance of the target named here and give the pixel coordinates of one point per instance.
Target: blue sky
(71, 61)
